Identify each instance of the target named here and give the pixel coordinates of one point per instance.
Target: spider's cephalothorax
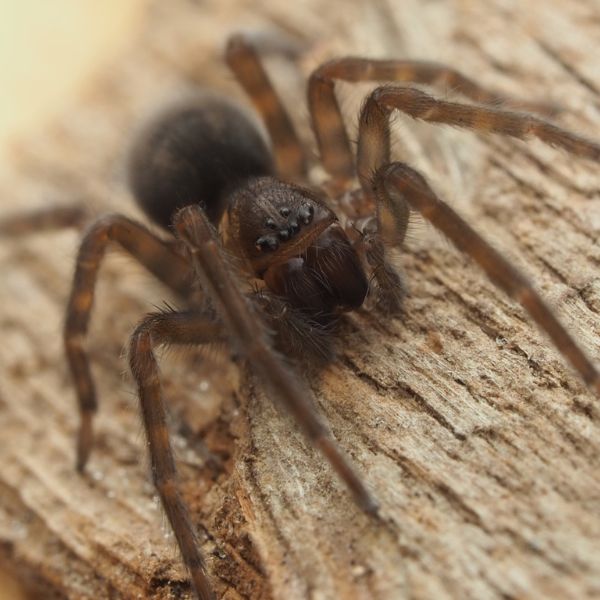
(295, 243)
(205, 174)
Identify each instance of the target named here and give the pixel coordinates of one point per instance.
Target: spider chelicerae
(237, 213)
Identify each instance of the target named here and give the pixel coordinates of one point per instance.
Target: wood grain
(479, 442)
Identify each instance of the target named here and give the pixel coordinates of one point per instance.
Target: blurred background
(49, 53)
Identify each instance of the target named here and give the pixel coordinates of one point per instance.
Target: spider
(235, 212)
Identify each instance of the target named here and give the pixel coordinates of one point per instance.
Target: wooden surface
(479, 442)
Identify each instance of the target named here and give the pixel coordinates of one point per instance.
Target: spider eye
(266, 243)
(270, 223)
(284, 212)
(306, 213)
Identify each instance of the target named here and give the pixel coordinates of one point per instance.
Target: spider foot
(389, 292)
(85, 439)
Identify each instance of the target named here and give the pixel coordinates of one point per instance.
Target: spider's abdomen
(197, 152)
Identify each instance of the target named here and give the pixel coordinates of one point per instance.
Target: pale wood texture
(481, 445)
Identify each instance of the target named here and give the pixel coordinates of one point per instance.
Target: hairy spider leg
(243, 59)
(157, 255)
(396, 182)
(43, 219)
(374, 130)
(156, 330)
(328, 124)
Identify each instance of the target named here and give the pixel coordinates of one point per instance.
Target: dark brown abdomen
(197, 152)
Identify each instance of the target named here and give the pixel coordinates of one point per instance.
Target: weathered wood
(480, 443)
